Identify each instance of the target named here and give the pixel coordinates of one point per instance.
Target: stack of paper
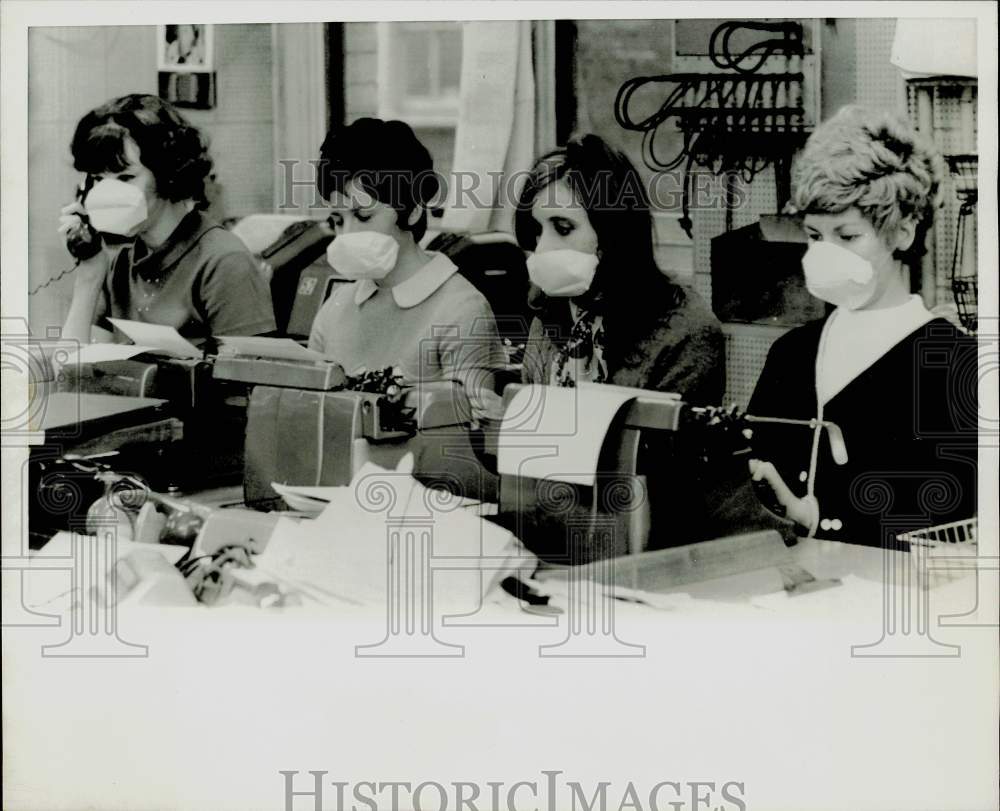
(161, 340)
(387, 531)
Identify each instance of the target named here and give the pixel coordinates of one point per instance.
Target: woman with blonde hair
(900, 383)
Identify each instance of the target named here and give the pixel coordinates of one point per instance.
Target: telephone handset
(83, 242)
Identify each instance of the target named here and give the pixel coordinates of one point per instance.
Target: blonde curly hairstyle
(877, 163)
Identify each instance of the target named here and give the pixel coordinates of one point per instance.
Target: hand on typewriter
(803, 511)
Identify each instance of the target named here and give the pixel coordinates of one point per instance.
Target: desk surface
(742, 568)
(67, 410)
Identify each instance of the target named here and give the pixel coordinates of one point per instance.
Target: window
(419, 72)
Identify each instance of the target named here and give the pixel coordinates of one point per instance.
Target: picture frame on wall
(186, 64)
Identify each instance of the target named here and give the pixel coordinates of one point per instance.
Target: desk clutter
(340, 483)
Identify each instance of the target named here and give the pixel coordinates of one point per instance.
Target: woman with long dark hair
(605, 312)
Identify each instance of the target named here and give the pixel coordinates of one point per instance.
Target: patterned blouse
(682, 351)
(581, 358)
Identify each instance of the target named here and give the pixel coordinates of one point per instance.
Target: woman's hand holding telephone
(83, 243)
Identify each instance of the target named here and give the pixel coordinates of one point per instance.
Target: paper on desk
(52, 589)
(558, 588)
(345, 552)
(551, 432)
(277, 348)
(309, 498)
(157, 338)
(98, 352)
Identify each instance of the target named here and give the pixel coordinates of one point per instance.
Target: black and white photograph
(528, 406)
(185, 47)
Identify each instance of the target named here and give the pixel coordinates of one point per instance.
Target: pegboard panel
(946, 111)
(879, 84)
(953, 114)
(701, 283)
(762, 198)
(747, 346)
(955, 118)
(709, 220)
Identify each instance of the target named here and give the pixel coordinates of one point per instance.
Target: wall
(361, 92)
(608, 53)
(72, 70)
(360, 71)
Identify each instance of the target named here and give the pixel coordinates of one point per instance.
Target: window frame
(418, 112)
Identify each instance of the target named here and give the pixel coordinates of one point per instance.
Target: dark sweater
(682, 351)
(909, 425)
(694, 494)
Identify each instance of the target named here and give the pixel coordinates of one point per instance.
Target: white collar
(415, 290)
(857, 339)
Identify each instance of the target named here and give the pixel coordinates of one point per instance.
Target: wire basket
(957, 534)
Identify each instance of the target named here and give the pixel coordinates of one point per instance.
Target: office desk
(742, 569)
(73, 419)
(139, 431)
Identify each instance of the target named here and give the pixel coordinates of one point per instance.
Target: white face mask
(116, 207)
(363, 255)
(562, 273)
(837, 275)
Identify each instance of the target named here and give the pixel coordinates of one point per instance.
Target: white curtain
(300, 114)
(496, 126)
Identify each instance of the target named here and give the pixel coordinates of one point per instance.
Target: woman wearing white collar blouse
(406, 307)
(900, 383)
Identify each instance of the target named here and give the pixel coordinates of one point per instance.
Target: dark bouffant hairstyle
(173, 150)
(386, 160)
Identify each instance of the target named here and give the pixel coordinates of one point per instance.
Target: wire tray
(950, 535)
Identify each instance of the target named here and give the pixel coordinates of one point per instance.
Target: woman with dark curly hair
(162, 261)
(606, 312)
(900, 383)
